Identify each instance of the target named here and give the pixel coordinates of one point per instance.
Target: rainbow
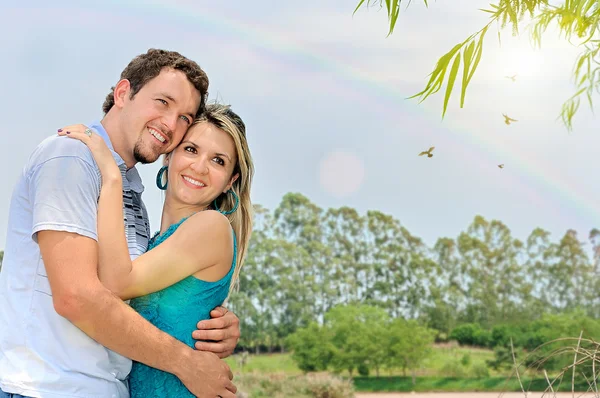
(283, 49)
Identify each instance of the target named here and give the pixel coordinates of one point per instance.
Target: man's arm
(223, 329)
(79, 296)
(64, 194)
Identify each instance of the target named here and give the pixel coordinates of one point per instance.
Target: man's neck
(118, 139)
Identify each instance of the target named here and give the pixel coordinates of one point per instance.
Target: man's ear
(121, 92)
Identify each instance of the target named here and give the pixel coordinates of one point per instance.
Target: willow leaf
(438, 74)
(358, 6)
(468, 57)
(478, 52)
(451, 80)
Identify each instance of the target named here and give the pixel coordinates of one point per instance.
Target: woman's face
(201, 167)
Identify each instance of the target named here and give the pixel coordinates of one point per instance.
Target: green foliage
(410, 344)
(501, 335)
(264, 363)
(551, 339)
(358, 335)
(479, 371)
(471, 334)
(543, 344)
(361, 338)
(503, 359)
(575, 19)
(1, 258)
(284, 363)
(465, 360)
(303, 261)
(470, 51)
(311, 348)
(440, 355)
(392, 7)
(363, 369)
(453, 368)
(453, 384)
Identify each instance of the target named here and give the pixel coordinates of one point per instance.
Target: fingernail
(59, 130)
(68, 132)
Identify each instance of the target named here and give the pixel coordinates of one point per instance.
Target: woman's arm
(203, 241)
(114, 263)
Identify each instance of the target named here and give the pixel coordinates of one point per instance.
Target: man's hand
(222, 333)
(206, 376)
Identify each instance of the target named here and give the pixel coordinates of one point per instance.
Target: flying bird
(513, 77)
(428, 152)
(501, 165)
(507, 119)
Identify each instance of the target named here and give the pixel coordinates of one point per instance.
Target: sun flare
(522, 62)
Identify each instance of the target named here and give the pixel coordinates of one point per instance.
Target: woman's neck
(174, 212)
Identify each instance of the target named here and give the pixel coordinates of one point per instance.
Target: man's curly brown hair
(146, 67)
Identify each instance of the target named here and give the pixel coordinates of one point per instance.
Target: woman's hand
(102, 154)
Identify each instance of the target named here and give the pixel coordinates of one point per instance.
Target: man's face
(158, 116)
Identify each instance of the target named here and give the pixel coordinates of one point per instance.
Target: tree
(1, 258)
(409, 345)
(311, 348)
(494, 278)
(356, 333)
(575, 19)
(572, 274)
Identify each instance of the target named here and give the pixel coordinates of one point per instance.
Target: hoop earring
(159, 178)
(235, 206)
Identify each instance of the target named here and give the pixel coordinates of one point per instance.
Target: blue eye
(185, 118)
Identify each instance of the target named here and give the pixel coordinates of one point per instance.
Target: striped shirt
(41, 353)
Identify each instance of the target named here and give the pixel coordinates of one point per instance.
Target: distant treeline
(304, 261)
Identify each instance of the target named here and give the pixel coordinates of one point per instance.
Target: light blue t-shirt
(42, 353)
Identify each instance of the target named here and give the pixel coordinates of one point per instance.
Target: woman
(194, 261)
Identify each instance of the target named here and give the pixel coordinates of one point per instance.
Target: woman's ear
(233, 179)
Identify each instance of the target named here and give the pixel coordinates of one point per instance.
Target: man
(62, 333)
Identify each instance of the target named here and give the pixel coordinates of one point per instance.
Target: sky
(323, 95)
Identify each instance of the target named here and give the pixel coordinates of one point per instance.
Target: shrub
(466, 359)
(311, 348)
(466, 333)
(328, 386)
(363, 369)
(482, 338)
(453, 368)
(479, 371)
(319, 385)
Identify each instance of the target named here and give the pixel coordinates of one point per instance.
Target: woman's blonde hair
(225, 119)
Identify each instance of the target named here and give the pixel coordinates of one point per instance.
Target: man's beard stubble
(143, 154)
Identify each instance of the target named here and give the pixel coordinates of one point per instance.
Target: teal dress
(175, 310)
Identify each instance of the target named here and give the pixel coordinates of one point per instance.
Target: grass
(283, 363)
(432, 365)
(265, 363)
(451, 384)
(430, 378)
